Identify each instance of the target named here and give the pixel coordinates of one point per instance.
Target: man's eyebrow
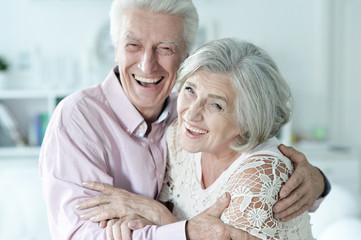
(130, 37)
(171, 42)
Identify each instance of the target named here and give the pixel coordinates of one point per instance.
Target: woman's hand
(118, 203)
(121, 229)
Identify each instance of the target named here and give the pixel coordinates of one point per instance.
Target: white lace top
(253, 182)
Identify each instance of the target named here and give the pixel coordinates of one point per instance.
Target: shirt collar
(128, 115)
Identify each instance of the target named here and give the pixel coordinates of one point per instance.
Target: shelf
(28, 106)
(19, 152)
(32, 94)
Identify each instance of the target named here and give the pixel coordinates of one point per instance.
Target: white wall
(302, 36)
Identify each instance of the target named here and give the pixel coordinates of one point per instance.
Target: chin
(188, 147)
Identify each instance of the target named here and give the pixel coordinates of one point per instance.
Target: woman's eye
(189, 89)
(216, 105)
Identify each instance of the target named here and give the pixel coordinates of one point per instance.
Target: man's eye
(165, 51)
(189, 89)
(132, 46)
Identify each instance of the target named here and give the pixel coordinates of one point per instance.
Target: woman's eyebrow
(218, 97)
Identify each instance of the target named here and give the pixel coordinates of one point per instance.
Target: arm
(305, 190)
(119, 203)
(65, 162)
(128, 207)
(207, 224)
(254, 189)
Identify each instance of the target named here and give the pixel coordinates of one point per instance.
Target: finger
(101, 213)
(218, 208)
(109, 229)
(292, 183)
(291, 208)
(103, 224)
(294, 214)
(237, 234)
(125, 231)
(100, 187)
(117, 231)
(291, 199)
(137, 224)
(93, 202)
(295, 156)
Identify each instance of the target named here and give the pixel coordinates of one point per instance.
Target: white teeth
(193, 129)
(147, 80)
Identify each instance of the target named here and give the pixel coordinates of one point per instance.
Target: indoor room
(50, 49)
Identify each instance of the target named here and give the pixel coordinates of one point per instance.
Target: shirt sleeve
(323, 196)
(254, 190)
(175, 231)
(66, 161)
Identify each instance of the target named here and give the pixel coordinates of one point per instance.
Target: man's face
(149, 52)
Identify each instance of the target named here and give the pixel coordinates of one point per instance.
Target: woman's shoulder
(268, 164)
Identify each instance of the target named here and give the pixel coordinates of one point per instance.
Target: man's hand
(121, 229)
(303, 188)
(118, 203)
(208, 226)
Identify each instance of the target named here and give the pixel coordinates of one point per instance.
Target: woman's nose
(194, 112)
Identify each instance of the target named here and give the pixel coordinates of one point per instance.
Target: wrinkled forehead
(209, 83)
(146, 25)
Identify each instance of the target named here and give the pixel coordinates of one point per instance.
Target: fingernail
(224, 197)
(82, 216)
(132, 224)
(276, 209)
(77, 206)
(276, 216)
(85, 183)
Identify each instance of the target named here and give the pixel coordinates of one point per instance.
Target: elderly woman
(232, 103)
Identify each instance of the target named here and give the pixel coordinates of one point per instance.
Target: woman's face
(206, 105)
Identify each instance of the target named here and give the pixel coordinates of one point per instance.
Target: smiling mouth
(193, 130)
(147, 82)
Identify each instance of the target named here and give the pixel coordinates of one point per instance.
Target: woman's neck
(213, 165)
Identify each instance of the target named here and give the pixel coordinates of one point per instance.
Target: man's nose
(148, 62)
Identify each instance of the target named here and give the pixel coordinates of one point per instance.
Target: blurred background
(51, 48)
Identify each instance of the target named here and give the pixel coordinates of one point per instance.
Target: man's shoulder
(80, 102)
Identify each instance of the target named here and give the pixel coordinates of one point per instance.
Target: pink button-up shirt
(98, 135)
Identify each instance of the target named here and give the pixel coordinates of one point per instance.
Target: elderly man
(114, 132)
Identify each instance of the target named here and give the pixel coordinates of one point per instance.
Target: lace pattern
(253, 181)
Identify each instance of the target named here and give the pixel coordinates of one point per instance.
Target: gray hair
(183, 8)
(263, 98)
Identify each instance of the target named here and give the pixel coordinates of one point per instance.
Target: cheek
(180, 104)
(171, 65)
(126, 59)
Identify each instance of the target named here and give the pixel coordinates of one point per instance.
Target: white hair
(263, 102)
(183, 8)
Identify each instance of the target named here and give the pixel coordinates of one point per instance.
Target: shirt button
(160, 176)
(151, 140)
(128, 130)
